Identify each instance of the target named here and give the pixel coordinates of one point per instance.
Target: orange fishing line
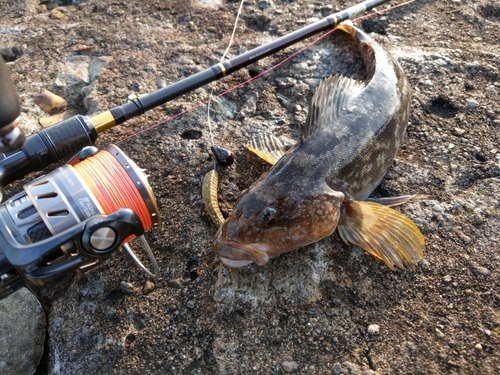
(112, 186)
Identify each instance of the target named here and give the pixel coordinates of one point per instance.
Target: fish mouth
(237, 255)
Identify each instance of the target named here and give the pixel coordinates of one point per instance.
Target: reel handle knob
(104, 234)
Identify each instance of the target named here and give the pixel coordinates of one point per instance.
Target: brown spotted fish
(351, 136)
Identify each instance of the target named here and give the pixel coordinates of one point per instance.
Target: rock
(56, 13)
(373, 329)
(471, 104)
(75, 71)
(50, 102)
(22, 327)
(290, 366)
(91, 105)
(51, 120)
(160, 83)
(126, 287)
(98, 64)
(174, 283)
(31, 7)
(250, 104)
(312, 20)
(458, 132)
(190, 304)
(478, 347)
(57, 322)
(265, 4)
(482, 270)
(148, 287)
(337, 369)
(439, 333)
(10, 54)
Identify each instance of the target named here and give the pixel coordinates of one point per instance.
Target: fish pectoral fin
(267, 147)
(392, 201)
(329, 101)
(382, 232)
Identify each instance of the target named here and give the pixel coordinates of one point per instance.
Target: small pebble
(54, 119)
(264, 4)
(312, 20)
(50, 102)
(190, 304)
(290, 366)
(373, 329)
(56, 14)
(174, 283)
(148, 287)
(126, 287)
(478, 347)
(482, 270)
(471, 104)
(160, 83)
(439, 333)
(447, 279)
(458, 132)
(337, 368)
(311, 312)
(58, 322)
(250, 104)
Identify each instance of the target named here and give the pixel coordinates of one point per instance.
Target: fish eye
(268, 216)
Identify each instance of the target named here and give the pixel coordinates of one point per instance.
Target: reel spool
(74, 218)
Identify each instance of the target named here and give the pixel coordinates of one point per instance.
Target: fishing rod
(66, 138)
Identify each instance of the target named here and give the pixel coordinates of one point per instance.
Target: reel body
(68, 221)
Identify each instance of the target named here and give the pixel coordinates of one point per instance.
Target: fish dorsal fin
(382, 232)
(329, 101)
(267, 147)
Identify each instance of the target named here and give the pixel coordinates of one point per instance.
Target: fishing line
(113, 187)
(221, 60)
(167, 119)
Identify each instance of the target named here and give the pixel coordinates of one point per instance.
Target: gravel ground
(327, 308)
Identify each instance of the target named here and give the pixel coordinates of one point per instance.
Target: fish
(352, 134)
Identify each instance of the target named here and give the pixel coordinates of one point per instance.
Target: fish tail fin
(383, 232)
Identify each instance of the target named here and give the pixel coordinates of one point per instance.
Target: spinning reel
(73, 219)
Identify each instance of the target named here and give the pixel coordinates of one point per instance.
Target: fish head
(263, 226)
